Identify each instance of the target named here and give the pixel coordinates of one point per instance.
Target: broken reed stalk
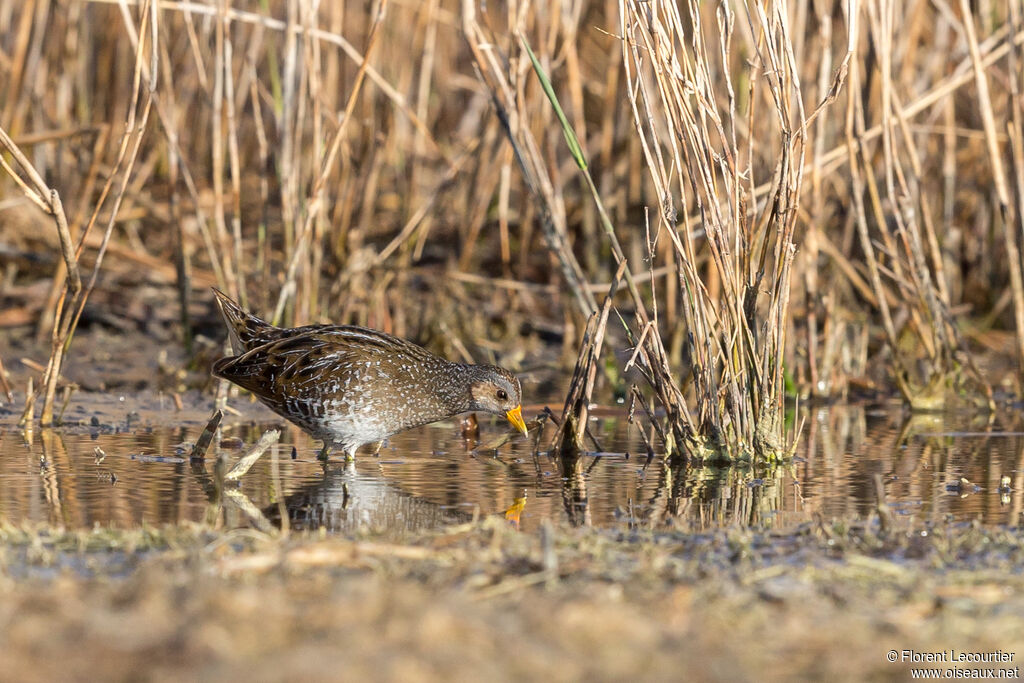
(46, 199)
(5, 387)
(246, 462)
(571, 429)
(206, 436)
(28, 413)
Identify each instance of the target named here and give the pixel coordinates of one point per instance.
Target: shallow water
(932, 468)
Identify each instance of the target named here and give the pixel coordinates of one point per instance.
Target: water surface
(932, 468)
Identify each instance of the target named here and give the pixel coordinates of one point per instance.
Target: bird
(350, 386)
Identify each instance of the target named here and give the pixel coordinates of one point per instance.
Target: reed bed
(810, 199)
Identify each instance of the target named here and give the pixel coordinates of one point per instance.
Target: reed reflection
(436, 476)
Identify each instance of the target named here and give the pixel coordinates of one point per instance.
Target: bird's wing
(302, 364)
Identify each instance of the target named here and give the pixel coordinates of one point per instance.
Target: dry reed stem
(921, 277)
(862, 230)
(568, 436)
(206, 436)
(46, 199)
(1010, 232)
(28, 413)
(218, 96)
(5, 387)
(527, 154)
(67, 317)
(995, 158)
(991, 52)
(738, 358)
(292, 28)
(315, 202)
(422, 167)
(908, 227)
(654, 352)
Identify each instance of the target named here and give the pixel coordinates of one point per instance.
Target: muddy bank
(476, 601)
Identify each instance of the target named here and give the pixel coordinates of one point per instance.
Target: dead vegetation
(483, 600)
(797, 191)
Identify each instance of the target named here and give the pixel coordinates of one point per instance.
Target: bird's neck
(457, 394)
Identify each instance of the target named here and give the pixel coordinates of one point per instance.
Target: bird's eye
(502, 395)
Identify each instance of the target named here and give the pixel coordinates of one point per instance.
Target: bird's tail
(246, 330)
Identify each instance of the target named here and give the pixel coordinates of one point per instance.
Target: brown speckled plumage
(351, 385)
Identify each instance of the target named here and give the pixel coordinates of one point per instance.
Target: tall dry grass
(809, 197)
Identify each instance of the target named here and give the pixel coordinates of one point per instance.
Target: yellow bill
(515, 416)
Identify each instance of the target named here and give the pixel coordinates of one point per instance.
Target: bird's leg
(376, 451)
(322, 455)
(350, 454)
